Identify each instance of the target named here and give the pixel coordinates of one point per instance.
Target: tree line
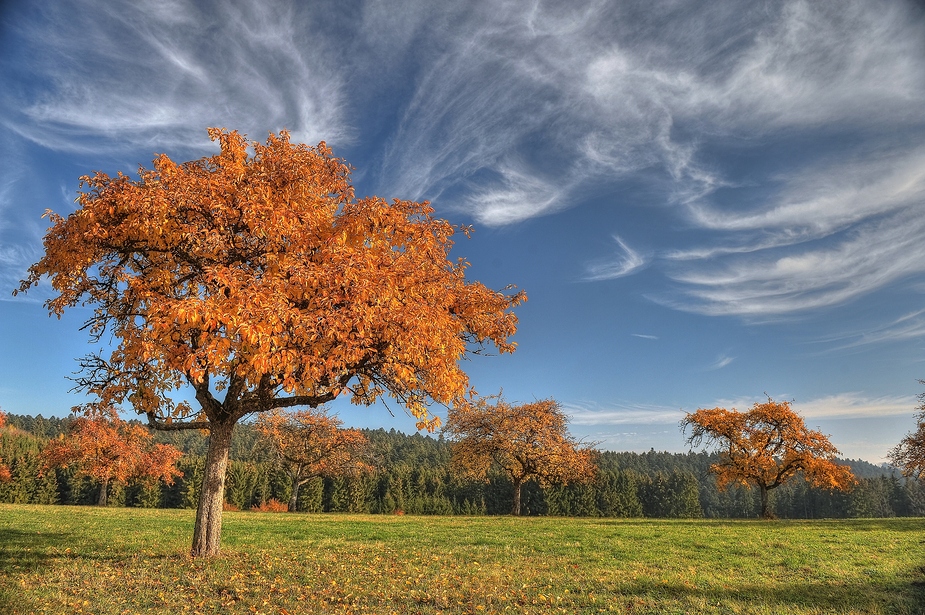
(413, 474)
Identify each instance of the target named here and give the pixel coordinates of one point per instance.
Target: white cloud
(156, 75)
(823, 201)
(869, 257)
(905, 327)
(626, 262)
(834, 231)
(720, 363)
(855, 405)
(837, 406)
(619, 414)
(516, 197)
(512, 112)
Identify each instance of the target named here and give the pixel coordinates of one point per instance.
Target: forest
(412, 475)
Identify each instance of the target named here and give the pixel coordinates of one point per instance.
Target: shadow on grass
(32, 553)
(24, 552)
(887, 597)
(28, 551)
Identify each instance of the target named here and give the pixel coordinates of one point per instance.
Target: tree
(104, 447)
(527, 442)
(5, 475)
(311, 444)
(909, 454)
(258, 280)
(766, 446)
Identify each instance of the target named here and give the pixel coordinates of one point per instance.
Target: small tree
(102, 446)
(909, 454)
(527, 442)
(766, 446)
(5, 475)
(255, 280)
(310, 444)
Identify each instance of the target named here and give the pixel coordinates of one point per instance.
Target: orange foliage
(528, 442)
(271, 505)
(104, 447)
(909, 454)
(766, 446)
(257, 278)
(311, 443)
(5, 475)
(261, 275)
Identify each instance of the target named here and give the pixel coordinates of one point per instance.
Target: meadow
(70, 559)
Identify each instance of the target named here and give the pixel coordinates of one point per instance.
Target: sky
(707, 203)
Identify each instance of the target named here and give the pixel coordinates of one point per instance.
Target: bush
(271, 505)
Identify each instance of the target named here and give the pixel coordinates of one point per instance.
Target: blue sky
(706, 202)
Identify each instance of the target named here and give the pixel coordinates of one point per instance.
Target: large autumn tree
(258, 279)
(765, 447)
(526, 441)
(102, 446)
(909, 454)
(311, 443)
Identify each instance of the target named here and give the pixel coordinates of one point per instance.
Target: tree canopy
(5, 475)
(527, 441)
(258, 279)
(909, 454)
(311, 443)
(102, 446)
(766, 446)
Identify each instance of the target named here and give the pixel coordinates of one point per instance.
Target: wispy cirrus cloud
(856, 405)
(579, 107)
(620, 414)
(625, 263)
(823, 239)
(509, 111)
(720, 363)
(774, 282)
(910, 325)
(848, 405)
(118, 75)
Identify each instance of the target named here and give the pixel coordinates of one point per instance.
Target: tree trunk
(294, 498)
(208, 532)
(765, 509)
(104, 489)
(516, 509)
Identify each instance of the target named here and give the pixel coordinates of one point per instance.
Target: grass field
(120, 561)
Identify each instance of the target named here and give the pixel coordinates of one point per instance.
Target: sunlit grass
(119, 561)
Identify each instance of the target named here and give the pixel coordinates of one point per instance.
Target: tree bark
(104, 493)
(294, 498)
(516, 509)
(765, 509)
(208, 532)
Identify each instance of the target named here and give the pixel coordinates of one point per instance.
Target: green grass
(121, 561)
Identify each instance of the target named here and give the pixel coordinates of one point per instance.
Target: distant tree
(527, 442)
(909, 454)
(5, 475)
(105, 448)
(766, 446)
(310, 444)
(257, 279)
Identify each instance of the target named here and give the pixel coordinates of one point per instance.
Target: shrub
(271, 505)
